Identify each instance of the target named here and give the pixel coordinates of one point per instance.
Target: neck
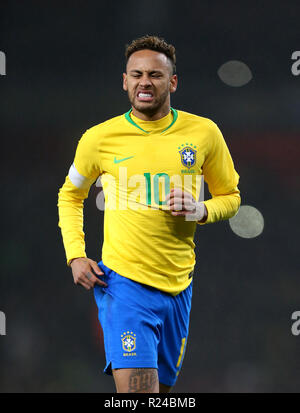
(161, 113)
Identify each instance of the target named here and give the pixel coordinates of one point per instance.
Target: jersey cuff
(69, 259)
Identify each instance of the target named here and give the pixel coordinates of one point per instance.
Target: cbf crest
(128, 341)
(188, 155)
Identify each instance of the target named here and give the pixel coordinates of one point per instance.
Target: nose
(145, 81)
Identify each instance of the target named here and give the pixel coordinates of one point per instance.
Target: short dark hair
(155, 43)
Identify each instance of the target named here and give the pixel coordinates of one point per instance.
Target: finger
(174, 192)
(177, 192)
(189, 204)
(169, 199)
(179, 213)
(86, 278)
(100, 282)
(99, 273)
(83, 283)
(89, 276)
(86, 286)
(174, 200)
(91, 280)
(182, 196)
(96, 268)
(187, 197)
(178, 206)
(188, 201)
(95, 280)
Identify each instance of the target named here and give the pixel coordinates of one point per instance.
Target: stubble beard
(149, 109)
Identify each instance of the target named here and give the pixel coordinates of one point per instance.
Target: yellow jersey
(138, 162)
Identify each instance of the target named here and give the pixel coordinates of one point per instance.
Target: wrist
(74, 259)
(199, 214)
(204, 213)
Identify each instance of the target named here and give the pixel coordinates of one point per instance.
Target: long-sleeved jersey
(138, 163)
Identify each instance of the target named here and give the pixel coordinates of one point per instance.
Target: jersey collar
(128, 118)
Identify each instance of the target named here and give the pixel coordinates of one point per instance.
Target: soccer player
(149, 161)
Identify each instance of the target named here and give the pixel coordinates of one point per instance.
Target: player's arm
(222, 179)
(83, 172)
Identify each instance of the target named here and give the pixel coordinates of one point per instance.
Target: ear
(173, 83)
(125, 87)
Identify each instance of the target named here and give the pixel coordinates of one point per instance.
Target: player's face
(149, 82)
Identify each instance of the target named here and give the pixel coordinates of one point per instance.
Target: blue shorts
(142, 327)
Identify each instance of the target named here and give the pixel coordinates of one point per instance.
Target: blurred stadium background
(64, 66)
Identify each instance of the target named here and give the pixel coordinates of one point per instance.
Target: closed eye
(152, 74)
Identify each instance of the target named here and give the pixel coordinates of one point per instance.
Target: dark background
(64, 67)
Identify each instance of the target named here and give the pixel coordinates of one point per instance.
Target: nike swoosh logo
(122, 160)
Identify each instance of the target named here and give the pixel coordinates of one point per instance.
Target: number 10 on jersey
(162, 178)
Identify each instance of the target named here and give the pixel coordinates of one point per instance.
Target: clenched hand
(183, 204)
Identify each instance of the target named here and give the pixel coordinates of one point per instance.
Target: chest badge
(188, 155)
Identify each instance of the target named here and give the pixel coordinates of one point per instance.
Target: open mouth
(145, 96)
